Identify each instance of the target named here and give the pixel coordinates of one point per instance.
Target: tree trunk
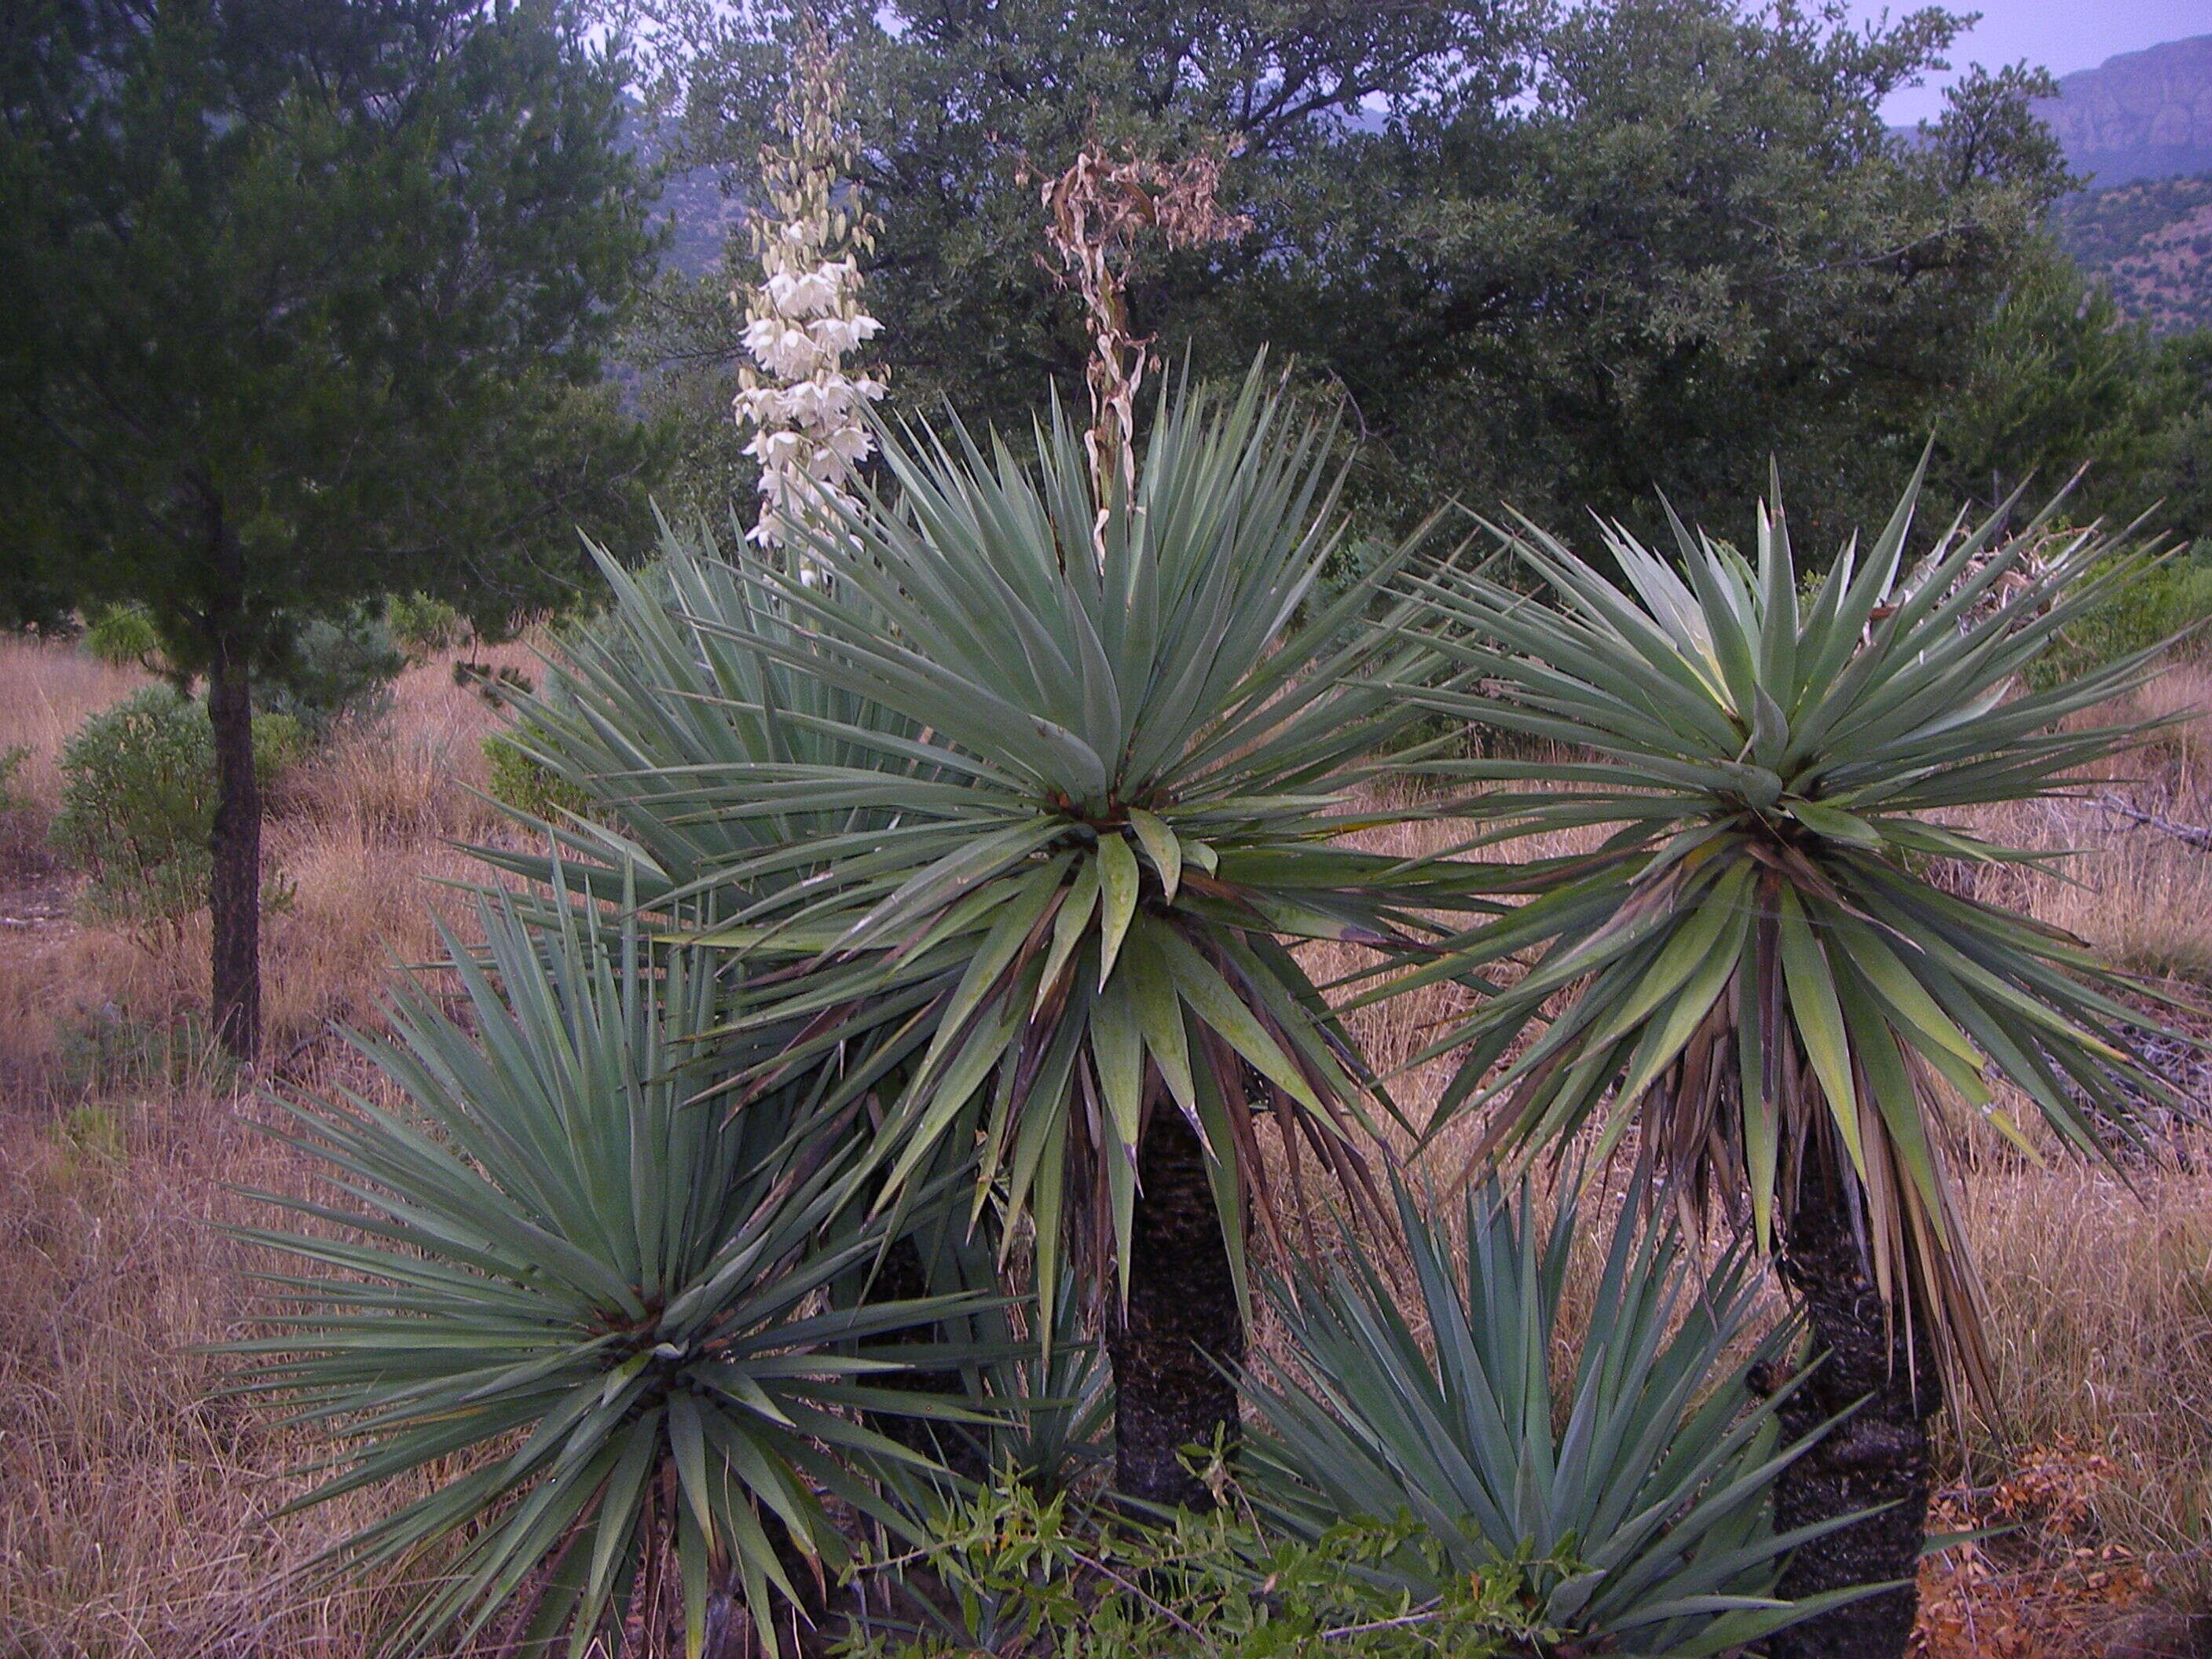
(234, 891)
(1183, 1323)
(1878, 1455)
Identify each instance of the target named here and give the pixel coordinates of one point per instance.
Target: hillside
(698, 213)
(2152, 241)
(2139, 125)
(2141, 115)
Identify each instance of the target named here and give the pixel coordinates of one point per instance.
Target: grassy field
(138, 1506)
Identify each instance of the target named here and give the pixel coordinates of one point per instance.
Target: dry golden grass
(2102, 1303)
(136, 1506)
(45, 692)
(137, 1515)
(360, 837)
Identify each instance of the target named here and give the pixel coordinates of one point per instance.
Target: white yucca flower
(803, 317)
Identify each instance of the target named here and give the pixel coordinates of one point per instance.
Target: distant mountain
(701, 213)
(2142, 115)
(2140, 126)
(2151, 241)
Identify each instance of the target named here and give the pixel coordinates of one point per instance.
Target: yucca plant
(1062, 913)
(1759, 967)
(600, 1298)
(659, 692)
(1628, 1503)
(635, 706)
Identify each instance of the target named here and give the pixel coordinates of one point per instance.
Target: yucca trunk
(1181, 1328)
(1879, 1457)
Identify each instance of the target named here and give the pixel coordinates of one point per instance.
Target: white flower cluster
(804, 318)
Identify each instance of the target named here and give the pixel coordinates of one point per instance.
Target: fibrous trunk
(234, 891)
(1879, 1457)
(1182, 1325)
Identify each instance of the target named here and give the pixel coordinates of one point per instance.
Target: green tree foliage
(306, 302)
(2183, 448)
(1701, 249)
(1553, 256)
(2056, 380)
(422, 624)
(964, 108)
(124, 637)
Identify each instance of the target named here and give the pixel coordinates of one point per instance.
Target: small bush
(92, 1133)
(1006, 1572)
(11, 761)
(422, 626)
(138, 801)
(526, 786)
(105, 1054)
(1625, 1501)
(2156, 606)
(498, 684)
(124, 635)
(334, 669)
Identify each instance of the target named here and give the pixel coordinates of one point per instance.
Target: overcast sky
(2061, 35)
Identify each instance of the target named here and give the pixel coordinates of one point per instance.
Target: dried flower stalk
(1097, 213)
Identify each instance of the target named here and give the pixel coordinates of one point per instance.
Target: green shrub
(92, 1133)
(1009, 1572)
(333, 669)
(124, 635)
(138, 801)
(11, 761)
(105, 1053)
(421, 625)
(528, 786)
(2154, 606)
(498, 684)
(581, 1324)
(1628, 1499)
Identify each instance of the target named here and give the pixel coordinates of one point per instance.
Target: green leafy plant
(529, 786)
(11, 763)
(2174, 599)
(95, 1132)
(596, 1295)
(1046, 1402)
(1067, 893)
(1037, 1377)
(422, 625)
(124, 637)
(1754, 970)
(138, 802)
(1626, 1504)
(658, 697)
(1009, 1571)
(332, 669)
(105, 1053)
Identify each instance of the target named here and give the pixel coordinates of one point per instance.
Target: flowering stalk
(803, 317)
(1095, 214)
